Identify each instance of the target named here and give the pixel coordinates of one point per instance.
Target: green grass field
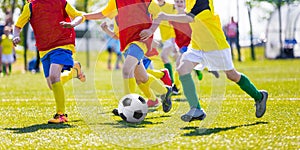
(27, 104)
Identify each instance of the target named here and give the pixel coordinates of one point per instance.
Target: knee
(164, 57)
(233, 75)
(54, 78)
(126, 72)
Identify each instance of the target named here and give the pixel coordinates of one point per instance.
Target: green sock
(9, 68)
(247, 86)
(199, 74)
(4, 69)
(169, 67)
(189, 90)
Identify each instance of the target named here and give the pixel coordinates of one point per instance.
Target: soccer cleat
(166, 79)
(215, 73)
(116, 112)
(79, 74)
(152, 103)
(58, 118)
(166, 100)
(261, 105)
(175, 90)
(194, 114)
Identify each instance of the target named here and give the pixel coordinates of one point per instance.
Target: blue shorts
(134, 51)
(146, 62)
(57, 56)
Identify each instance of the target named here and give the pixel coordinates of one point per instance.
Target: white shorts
(7, 58)
(169, 43)
(217, 60)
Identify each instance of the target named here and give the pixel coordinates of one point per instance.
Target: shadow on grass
(207, 131)
(36, 127)
(124, 124)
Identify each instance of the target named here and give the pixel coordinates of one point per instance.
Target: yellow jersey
(7, 44)
(166, 29)
(207, 33)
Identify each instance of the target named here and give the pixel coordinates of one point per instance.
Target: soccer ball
(133, 108)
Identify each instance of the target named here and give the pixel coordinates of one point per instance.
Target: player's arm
(22, 20)
(94, 16)
(146, 33)
(154, 10)
(77, 17)
(108, 32)
(198, 7)
(109, 11)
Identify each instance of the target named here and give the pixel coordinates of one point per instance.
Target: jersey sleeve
(24, 17)
(110, 10)
(154, 9)
(72, 12)
(198, 7)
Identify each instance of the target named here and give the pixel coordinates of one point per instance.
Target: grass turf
(27, 104)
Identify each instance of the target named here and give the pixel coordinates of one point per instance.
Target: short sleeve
(24, 17)
(110, 10)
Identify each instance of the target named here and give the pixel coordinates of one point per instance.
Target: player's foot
(166, 78)
(194, 114)
(79, 74)
(115, 112)
(152, 103)
(215, 73)
(175, 90)
(58, 118)
(261, 105)
(166, 100)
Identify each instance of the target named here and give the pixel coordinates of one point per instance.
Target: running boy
(55, 40)
(132, 17)
(209, 48)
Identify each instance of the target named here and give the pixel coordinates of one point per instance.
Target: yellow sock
(156, 73)
(154, 84)
(129, 85)
(66, 76)
(59, 96)
(177, 81)
(147, 91)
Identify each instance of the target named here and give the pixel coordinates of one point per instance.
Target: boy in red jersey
(56, 44)
(132, 17)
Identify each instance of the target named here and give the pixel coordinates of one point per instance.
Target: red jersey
(183, 33)
(132, 18)
(45, 18)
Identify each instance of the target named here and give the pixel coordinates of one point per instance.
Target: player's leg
(260, 96)
(142, 77)
(184, 69)
(58, 92)
(165, 53)
(54, 62)
(119, 60)
(76, 72)
(109, 49)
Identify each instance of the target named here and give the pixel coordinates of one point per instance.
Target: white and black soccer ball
(133, 108)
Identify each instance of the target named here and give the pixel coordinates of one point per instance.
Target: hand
(16, 40)
(145, 34)
(104, 26)
(66, 24)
